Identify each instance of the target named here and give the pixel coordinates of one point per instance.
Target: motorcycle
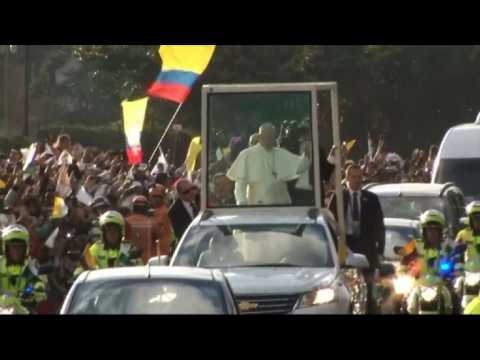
(467, 285)
(65, 258)
(431, 293)
(403, 285)
(11, 305)
(14, 305)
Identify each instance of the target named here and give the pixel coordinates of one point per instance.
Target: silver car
(277, 262)
(150, 290)
(410, 200)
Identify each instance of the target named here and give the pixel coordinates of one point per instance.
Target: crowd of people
(54, 196)
(69, 208)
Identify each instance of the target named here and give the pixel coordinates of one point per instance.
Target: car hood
(271, 281)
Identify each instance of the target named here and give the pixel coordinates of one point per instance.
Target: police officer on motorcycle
(425, 265)
(471, 235)
(468, 243)
(19, 277)
(111, 250)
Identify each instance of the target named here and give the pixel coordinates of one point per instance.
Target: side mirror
(357, 261)
(159, 261)
(164, 260)
(387, 269)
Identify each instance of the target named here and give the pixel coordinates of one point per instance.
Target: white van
(458, 159)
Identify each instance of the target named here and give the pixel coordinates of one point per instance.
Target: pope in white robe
(261, 172)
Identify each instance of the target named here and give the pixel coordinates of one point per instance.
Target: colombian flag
(133, 121)
(182, 65)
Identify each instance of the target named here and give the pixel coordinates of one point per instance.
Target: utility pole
(26, 125)
(6, 54)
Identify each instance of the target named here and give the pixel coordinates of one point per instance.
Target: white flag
(50, 243)
(29, 156)
(84, 197)
(162, 161)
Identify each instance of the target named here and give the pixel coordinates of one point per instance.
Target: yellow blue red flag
(182, 65)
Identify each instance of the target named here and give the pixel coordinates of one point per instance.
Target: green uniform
(15, 280)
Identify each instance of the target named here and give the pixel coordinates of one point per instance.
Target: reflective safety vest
(473, 308)
(429, 259)
(97, 257)
(15, 280)
(467, 237)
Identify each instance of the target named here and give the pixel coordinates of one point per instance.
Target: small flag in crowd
(29, 156)
(351, 144)
(162, 161)
(133, 120)
(60, 209)
(182, 65)
(84, 197)
(50, 243)
(193, 151)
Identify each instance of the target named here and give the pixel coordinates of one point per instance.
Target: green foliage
(16, 142)
(410, 93)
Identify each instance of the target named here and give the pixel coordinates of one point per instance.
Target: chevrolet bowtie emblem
(247, 306)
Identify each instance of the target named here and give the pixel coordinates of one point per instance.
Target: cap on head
(140, 201)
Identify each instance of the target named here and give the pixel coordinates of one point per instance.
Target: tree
(410, 93)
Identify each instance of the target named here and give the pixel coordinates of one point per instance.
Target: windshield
(465, 173)
(410, 207)
(259, 149)
(398, 236)
(148, 297)
(303, 245)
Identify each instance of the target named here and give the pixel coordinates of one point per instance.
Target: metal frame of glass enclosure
(314, 89)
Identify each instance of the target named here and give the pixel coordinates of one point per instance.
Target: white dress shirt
(350, 224)
(189, 209)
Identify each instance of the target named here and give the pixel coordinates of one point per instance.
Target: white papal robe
(261, 176)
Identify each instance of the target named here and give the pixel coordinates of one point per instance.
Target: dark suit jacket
(180, 218)
(372, 228)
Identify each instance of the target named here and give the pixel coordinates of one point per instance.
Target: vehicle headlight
(428, 293)
(472, 279)
(318, 297)
(7, 310)
(403, 284)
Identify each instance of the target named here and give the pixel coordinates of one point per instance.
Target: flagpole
(165, 133)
